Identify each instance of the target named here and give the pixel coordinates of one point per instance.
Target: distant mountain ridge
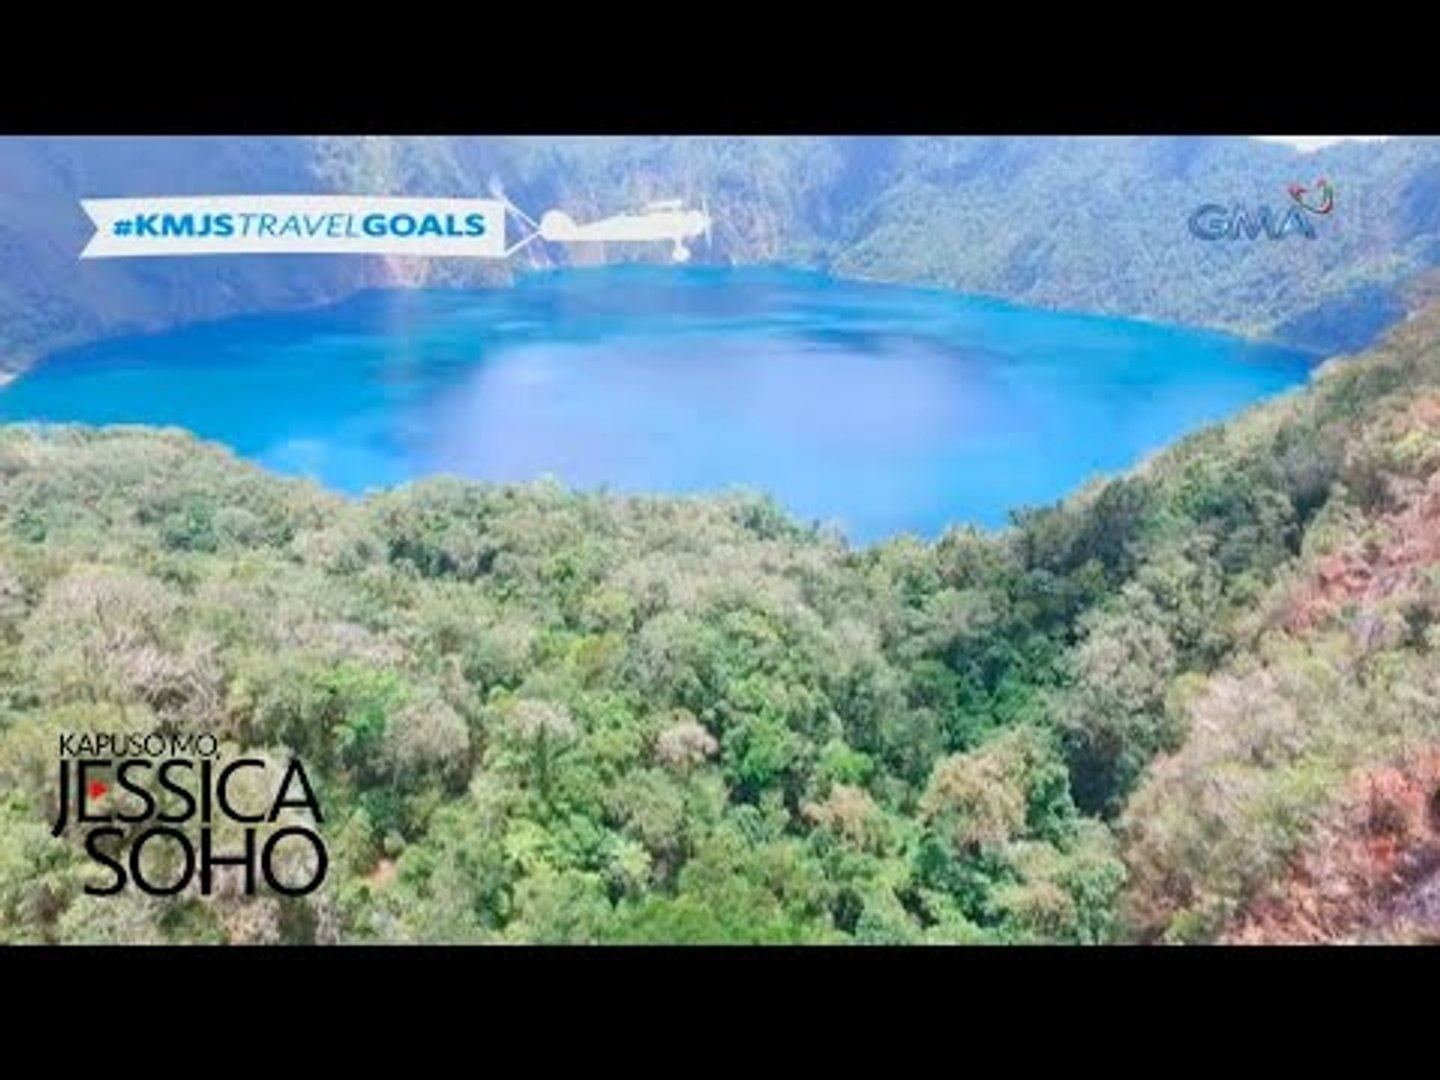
(1096, 224)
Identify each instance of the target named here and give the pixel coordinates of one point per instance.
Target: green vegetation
(535, 715)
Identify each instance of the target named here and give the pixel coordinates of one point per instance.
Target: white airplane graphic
(666, 219)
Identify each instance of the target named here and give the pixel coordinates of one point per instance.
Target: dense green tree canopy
(537, 715)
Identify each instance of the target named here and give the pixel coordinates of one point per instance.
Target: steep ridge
(1301, 803)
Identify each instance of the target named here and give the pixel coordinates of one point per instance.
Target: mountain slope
(1299, 805)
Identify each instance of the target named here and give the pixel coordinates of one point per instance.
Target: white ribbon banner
(295, 224)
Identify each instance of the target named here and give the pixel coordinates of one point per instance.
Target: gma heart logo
(1321, 202)
(1214, 221)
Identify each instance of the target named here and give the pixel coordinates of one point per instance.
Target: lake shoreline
(937, 408)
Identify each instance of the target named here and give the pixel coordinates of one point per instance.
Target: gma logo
(1215, 222)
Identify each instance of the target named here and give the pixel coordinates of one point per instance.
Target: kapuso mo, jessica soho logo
(1212, 221)
(166, 813)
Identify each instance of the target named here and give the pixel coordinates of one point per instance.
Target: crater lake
(876, 408)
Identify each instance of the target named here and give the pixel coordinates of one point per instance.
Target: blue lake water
(881, 409)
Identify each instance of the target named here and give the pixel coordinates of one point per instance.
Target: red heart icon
(1325, 196)
(97, 788)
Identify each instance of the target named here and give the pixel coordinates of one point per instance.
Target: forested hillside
(1097, 224)
(1146, 713)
